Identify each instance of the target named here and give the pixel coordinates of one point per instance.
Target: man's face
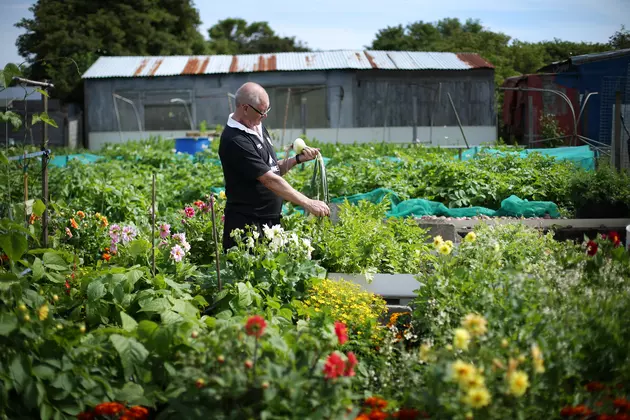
(256, 113)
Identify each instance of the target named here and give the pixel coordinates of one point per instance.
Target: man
(254, 185)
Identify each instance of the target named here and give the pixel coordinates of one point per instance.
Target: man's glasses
(264, 114)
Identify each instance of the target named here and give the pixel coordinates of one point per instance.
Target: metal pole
(286, 115)
(414, 136)
(341, 95)
(458, 121)
(153, 226)
(45, 174)
(617, 138)
(190, 119)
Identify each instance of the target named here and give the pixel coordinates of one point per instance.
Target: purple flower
(114, 231)
(177, 253)
(165, 230)
(113, 248)
(128, 233)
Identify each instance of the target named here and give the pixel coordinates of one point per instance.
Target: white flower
(177, 253)
(250, 242)
(255, 234)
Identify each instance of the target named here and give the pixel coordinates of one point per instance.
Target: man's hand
(309, 153)
(317, 208)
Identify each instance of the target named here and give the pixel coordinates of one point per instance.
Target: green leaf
(95, 291)
(45, 118)
(10, 70)
(132, 353)
(128, 323)
(139, 247)
(14, 245)
(156, 305)
(38, 269)
(54, 261)
(44, 372)
(39, 207)
(132, 394)
(8, 323)
(3, 159)
(13, 118)
(146, 329)
(42, 92)
(18, 373)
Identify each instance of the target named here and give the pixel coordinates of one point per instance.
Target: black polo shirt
(245, 157)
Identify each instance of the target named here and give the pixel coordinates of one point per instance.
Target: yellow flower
(470, 237)
(461, 339)
(425, 352)
(463, 372)
(475, 324)
(504, 343)
(537, 359)
(437, 241)
(477, 381)
(477, 397)
(449, 243)
(42, 312)
(222, 195)
(104, 222)
(444, 249)
(519, 382)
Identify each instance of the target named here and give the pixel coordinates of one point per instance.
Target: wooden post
(45, 173)
(303, 115)
(153, 226)
(617, 146)
(530, 120)
(414, 136)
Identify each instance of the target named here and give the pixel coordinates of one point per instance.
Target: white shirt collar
(235, 124)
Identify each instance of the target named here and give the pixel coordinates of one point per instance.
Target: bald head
(251, 94)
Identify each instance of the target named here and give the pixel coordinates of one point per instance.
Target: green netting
(581, 155)
(62, 161)
(512, 206)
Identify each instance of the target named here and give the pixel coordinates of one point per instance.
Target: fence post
(530, 120)
(617, 146)
(414, 136)
(303, 115)
(45, 174)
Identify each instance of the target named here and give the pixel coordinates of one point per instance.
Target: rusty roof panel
(293, 61)
(474, 60)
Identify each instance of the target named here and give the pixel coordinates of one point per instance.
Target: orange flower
(378, 415)
(81, 214)
(376, 402)
(104, 222)
(106, 256)
(73, 223)
(362, 417)
(136, 413)
(32, 219)
(108, 409)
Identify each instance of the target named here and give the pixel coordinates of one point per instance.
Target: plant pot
(394, 288)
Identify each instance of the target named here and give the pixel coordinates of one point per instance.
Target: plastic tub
(192, 145)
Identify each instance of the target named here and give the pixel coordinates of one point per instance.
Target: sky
(352, 24)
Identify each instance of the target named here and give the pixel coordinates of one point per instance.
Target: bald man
(254, 185)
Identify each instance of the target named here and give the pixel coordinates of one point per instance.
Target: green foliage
(509, 58)
(63, 39)
(364, 242)
(235, 36)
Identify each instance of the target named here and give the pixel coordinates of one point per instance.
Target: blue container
(192, 145)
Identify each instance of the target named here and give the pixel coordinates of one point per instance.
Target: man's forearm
(279, 186)
(285, 165)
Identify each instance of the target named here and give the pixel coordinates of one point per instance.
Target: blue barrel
(192, 145)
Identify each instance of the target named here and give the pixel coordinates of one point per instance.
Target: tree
(620, 40)
(64, 38)
(234, 36)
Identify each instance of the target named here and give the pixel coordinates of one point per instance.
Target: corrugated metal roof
(293, 61)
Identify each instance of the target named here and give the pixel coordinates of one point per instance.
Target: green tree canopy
(236, 36)
(83, 30)
(620, 40)
(510, 57)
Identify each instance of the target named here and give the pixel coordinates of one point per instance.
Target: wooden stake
(153, 226)
(216, 241)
